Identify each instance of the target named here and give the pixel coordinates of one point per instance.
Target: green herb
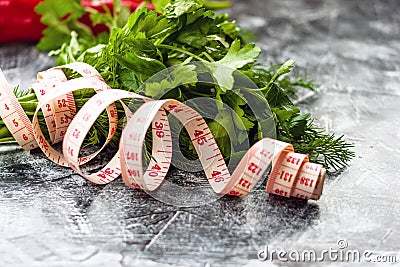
(144, 43)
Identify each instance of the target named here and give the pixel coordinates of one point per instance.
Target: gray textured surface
(51, 217)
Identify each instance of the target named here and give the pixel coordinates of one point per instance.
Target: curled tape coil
(292, 175)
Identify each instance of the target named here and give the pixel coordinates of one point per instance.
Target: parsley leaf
(239, 57)
(176, 9)
(180, 75)
(236, 58)
(62, 18)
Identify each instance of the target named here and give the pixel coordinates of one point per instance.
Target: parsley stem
(208, 56)
(200, 94)
(182, 51)
(7, 139)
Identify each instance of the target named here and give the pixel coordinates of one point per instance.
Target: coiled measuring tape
(292, 175)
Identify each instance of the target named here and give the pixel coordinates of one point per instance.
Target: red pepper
(19, 22)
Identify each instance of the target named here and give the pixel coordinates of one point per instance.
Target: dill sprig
(324, 148)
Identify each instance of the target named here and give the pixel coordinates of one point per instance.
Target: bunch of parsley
(143, 43)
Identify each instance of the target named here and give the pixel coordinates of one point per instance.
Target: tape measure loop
(291, 174)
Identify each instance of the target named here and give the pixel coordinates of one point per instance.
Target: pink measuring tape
(292, 175)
